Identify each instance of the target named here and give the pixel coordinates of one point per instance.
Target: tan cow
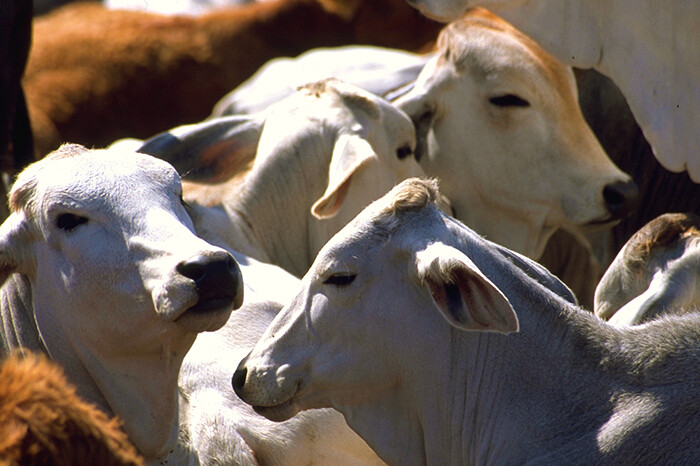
(498, 123)
(648, 48)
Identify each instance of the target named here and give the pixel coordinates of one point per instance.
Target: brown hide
(96, 75)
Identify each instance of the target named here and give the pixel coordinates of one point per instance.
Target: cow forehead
(487, 44)
(103, 177)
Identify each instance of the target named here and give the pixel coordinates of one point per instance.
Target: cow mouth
(602, 223)
(279, 412)
(205, 314)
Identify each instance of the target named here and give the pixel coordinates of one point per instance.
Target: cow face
(110, 253)
(498, 123)
(370, 292)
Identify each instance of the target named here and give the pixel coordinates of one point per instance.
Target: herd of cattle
(363, 255)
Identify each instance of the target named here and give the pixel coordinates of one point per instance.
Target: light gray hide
(381, 71)
(401, 325)
(656, 272)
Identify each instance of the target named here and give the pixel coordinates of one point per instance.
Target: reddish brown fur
(96, 75)
(43, 421)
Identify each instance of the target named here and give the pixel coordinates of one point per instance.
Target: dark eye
(70, 222)
(340, 279)
(509, 100)
(403, 152)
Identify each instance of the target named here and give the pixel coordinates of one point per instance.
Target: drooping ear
(209, 152)
(462, 293)
(14, 246)
(349, 154)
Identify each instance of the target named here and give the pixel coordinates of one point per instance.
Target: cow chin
(280, 412)
(206, 316)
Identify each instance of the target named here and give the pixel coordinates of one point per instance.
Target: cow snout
(621, 198)
(238, 379)
(217, 279)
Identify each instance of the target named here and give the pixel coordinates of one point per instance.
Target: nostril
(621, 198)
(238, 379)
(215, 275)
(192, 268)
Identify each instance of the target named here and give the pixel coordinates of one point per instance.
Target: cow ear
(349, 154)
(212, 151)
(422, 116)
(462, 293)
(14, 246)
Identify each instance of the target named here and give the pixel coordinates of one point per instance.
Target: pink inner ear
(331, 204)
(438, 292)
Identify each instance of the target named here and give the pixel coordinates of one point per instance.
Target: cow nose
(215, 275)
(238, 379)
(621, 198)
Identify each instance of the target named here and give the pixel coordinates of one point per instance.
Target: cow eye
(403, 152)
(340, 279)
(69, 222)
(509, 100)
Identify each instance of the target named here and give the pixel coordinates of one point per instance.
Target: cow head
(498, 122)
(371, 291)
(117, 275)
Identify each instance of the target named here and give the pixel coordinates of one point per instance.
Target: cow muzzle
(219, 288)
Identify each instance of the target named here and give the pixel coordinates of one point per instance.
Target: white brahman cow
(656, 272)
(648, 48)
(406, 323)
(103, 272)
(324, 153)
(498, 122)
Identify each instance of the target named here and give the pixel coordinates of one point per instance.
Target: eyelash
(340, 280)
(509, 100)
(69, 222)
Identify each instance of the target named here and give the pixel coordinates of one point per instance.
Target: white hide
(378, 70)
(404, 324)
(648, 48)
(498, 123)
(103, 272)
(656, 272)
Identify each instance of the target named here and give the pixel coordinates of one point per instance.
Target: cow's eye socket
(69, 222)
(509, 100)
(340, 279)
(403, 152)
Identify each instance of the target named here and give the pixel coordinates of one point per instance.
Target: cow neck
(276, 198)
(503, 221)
(471, 395)
(140, 388)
